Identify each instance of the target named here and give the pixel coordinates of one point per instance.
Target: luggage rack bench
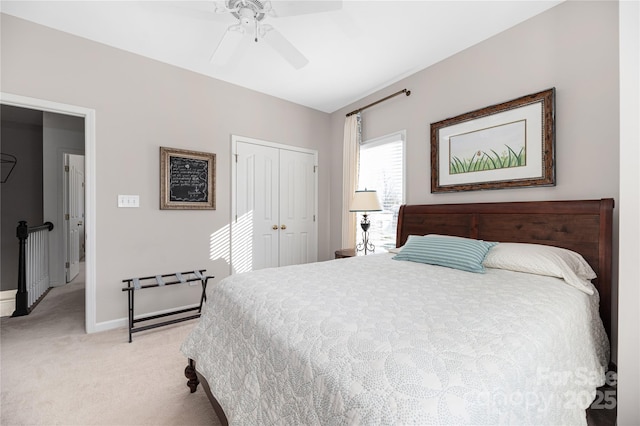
(134, 284)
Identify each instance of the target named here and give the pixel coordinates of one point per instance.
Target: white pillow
(542, 260)
(395, 250)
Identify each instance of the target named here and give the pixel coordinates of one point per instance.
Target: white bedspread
(371, 340)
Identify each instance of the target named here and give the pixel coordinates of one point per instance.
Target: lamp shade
(365, 201)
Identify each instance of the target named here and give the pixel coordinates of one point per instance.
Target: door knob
(283, 227)
(274, 227)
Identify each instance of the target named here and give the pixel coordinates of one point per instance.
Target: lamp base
(365, 245)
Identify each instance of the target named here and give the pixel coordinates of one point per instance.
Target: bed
(378, 340)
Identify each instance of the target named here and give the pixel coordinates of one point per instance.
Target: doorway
(89, 188)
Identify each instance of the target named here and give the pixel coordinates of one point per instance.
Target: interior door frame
(89, 116)
(234, 143)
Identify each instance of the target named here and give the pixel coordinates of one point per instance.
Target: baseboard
(7, 302)
(110, 325)
(124, 322)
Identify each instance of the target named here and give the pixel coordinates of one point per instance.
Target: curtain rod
(408, 92)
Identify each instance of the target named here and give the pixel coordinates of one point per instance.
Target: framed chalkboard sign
(187, 180)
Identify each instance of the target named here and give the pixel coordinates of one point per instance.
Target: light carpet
(55, 374)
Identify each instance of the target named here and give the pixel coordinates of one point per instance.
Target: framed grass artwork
(508, 145)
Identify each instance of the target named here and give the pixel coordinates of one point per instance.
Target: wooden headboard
(582, 226)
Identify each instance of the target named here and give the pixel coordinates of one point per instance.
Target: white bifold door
(274, 214)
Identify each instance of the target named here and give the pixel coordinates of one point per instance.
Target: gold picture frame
(187, 180)
(508, 145)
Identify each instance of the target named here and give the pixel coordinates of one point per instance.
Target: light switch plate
(128, 201)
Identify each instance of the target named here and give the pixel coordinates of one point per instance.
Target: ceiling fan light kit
(250, 15)
(248, 10)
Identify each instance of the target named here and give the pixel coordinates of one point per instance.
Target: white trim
(627, 335)
(110, 325)
(90, 187)
(7, 302)
(235, 139)
(391, 137)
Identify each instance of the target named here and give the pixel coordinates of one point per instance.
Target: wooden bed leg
(190, 373)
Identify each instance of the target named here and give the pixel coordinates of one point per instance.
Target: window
(382, 169)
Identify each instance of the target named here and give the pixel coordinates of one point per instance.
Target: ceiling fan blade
(241, 51)
(281, 45)
(281, 8)
(228, 44)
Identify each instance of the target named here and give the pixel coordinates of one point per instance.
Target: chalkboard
(187, 179)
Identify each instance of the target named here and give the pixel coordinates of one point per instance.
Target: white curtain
(350, 163)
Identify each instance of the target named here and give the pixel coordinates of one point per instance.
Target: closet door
(274, 221)
(256, 225)
(298, 243)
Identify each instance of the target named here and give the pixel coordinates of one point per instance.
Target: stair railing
(33, 266)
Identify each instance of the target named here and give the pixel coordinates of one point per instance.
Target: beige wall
(572, 47)
(141, 105)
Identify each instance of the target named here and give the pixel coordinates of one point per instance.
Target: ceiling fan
(251, 16)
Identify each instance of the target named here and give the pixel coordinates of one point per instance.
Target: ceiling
(353, 51)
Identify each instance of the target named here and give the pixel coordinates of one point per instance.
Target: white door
(297, 208)
(274, 206)
(255, 236)
(73, 213)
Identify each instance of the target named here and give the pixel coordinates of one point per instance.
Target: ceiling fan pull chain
(256, 34)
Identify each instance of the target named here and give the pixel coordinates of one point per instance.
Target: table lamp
(365, 201)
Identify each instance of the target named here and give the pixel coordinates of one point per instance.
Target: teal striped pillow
(453, 252)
